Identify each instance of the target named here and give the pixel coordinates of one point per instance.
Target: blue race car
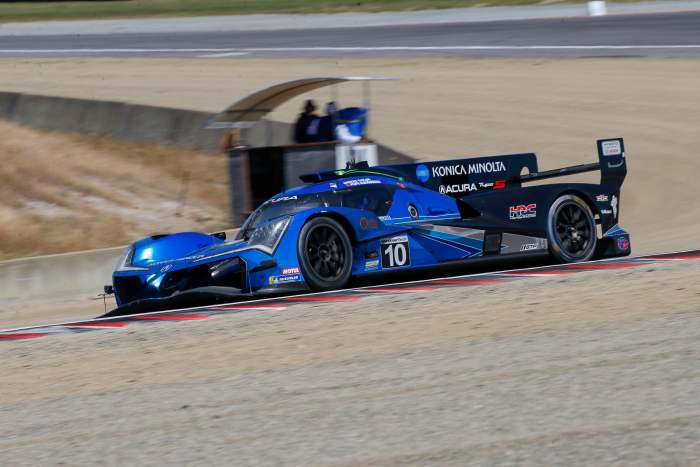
(365, 221)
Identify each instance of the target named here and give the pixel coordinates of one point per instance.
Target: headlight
(124, 263)
(267, 236)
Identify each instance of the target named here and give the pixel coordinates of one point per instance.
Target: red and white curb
(346, 295)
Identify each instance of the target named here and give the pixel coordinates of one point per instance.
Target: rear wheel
(571, 230)
(325, 254)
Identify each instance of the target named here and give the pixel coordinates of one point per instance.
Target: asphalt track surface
(642, 35)
(281, 303)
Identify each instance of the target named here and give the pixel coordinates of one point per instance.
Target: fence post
(597, 8)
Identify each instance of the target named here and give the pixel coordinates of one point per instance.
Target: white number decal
(395, 255)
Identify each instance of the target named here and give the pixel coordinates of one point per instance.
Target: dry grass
(66, 192)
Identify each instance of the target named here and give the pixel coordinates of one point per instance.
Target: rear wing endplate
(613, 165)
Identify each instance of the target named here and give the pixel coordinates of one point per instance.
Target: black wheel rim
(573, 230)
(326, 252)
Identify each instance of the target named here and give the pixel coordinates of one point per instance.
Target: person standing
(306, 126)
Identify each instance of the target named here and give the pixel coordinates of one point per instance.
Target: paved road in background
(644, 35)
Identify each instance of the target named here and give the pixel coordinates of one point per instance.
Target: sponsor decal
(602, 198)
(284, 279)
(613, 205)
(606, 211)
(194, 257)
(395, 252)
(186, 258)
(384, 218)
(522, 211)
(623, 243)
(166, 268)
(371, 265)
(283, 198)
(400, 239)
(361, 181)
(497, 185)
(475, 168)
(614, 231)
(422, 173)
(287, 271)
(612, 148)
(333, 185)
(457, 188)
(370, 223)
(529, 246)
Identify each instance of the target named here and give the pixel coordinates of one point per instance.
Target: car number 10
(395, 255)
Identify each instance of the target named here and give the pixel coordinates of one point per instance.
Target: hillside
(63, 192)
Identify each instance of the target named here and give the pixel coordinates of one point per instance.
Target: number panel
(395, 252)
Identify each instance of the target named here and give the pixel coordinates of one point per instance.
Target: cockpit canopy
(375, 198)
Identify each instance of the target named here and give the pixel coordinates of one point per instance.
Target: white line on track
(553, 275)
(467, 47)
(653, 259)
(230, 52)
(98, 51)
(224, 54)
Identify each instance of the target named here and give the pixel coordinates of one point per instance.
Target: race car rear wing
(461, 177)
(611, 163)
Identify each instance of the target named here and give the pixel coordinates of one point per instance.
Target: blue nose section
(164, 247)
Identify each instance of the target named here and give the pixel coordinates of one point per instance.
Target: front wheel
(571, 230)
(325, 254)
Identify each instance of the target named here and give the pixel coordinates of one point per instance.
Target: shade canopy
(252, 108)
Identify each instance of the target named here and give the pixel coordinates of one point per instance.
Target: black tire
(571, 230)
(325, 254)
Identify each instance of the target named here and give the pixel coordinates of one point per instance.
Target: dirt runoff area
(590, 369)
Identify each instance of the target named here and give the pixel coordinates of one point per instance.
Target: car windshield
(277, 207)
(376, 199)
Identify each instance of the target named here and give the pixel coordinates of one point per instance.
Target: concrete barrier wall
(179, 127)
(133, 122)
(71, 274)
